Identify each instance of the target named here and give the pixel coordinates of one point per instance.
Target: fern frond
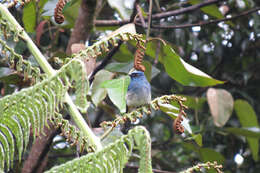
(156, 104)
(31, 107)
(113, 157)
(71, 133)
(17, 63)
(102, 46)
(14, 3)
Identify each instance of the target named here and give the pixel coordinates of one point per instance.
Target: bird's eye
(134, 75)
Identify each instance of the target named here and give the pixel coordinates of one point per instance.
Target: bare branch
(204, 22)
(115, 23)
(149, 19)
(158, 15)
(184, 10)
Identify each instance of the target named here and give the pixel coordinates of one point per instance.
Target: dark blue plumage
(139, 90)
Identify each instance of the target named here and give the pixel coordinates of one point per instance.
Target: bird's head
(136, 74)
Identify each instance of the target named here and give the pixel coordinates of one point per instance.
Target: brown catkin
(58, 16)
(177, 126)
(138, 58)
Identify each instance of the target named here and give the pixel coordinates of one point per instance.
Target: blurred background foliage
(224, 119)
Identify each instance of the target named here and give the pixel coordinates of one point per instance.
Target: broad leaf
(117, 89)
(119, 67)
(124, 54)
(208, 154)
(197, 138)
(211, 10)
(97, 93)
(71, 12)
(29, 16)
(247, 132)
(184, 73)
(247, 118)
(221, 105)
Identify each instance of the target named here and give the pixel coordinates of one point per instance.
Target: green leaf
(221, 105)
(198, 139)
(29, 16)
(117, 89)
(124, 54)
(98, 94)
(71, 12)
(208, 154)
(41, 5)
(119, 67)
(245, 113)
(253, 132)
(194, 102)
(211, 10)
(184, 73)
(148, 69)
(124, 8)
(248, 118)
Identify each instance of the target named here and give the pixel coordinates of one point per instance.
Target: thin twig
(158, 48)
(132, 17)
(139, 12)
(205, 22)
(184, 10)
(105, 61)
(149, 19)
(158, 15)
(106, 133)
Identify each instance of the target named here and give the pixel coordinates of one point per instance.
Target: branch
(158, 15)
(201, 23)
(105, 61)
(37, 152)
(140, 15)
(184, 10)
(149, 19)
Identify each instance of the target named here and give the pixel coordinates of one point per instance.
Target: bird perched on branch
(139, 90)
(138, 94)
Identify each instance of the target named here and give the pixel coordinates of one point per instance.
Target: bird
(138, 94)
(139, 90)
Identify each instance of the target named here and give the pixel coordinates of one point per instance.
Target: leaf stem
(94, 140)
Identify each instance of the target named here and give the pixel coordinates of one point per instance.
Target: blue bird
(138, 94)
(139, 90)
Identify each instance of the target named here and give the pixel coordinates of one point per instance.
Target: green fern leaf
(31, 107)
(113, 157)
(10, 139)
(16, 129)
(2, 157)
(5, 145)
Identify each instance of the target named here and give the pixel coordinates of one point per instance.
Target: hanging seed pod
(58, 16)
(138, 58)
(177, 126)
